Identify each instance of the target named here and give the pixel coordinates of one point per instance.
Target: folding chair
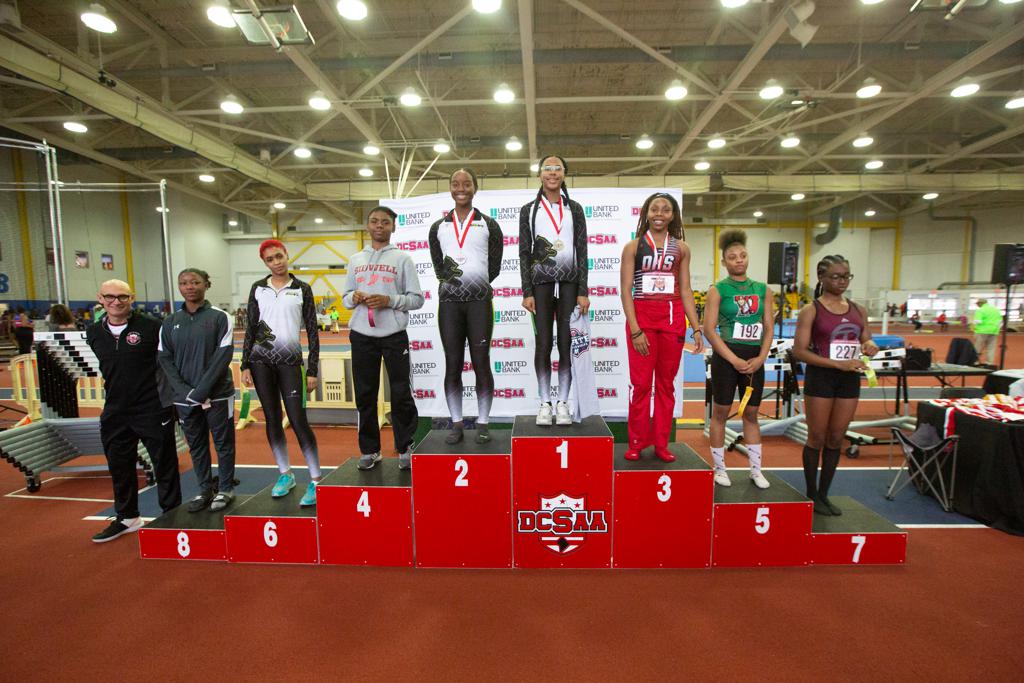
(925, 455)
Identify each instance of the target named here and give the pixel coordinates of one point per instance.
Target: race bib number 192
(747, 332)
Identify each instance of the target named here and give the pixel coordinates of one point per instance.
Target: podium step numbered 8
(531, 497)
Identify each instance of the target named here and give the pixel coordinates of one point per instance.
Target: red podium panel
(662, 510)
(277, 530)
(761, 528)
(858, 536)
(181, 535)
(562, 494)
(365, 518)
(462, 501)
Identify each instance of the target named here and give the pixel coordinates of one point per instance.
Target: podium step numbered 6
(531, 497)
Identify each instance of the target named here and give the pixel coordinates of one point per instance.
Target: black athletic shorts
(725, 380)
(831, 383)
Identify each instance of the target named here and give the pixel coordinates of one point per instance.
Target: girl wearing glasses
(466, 248)
(553, 265)
(831, 335)
(280, 307)
(656, 293)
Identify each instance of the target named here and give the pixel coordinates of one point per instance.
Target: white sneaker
(758, 479)
(544, 415)
(722, 478)
(562, 415)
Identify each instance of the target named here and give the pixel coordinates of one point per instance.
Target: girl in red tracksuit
(655, 286)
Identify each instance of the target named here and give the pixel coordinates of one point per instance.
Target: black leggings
(549, 309)
(462, 321)
(276, 383)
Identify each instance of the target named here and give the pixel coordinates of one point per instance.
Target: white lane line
(942, 526)
(35, 496)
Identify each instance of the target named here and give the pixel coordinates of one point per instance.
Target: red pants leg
(641, 369)
(666, 365)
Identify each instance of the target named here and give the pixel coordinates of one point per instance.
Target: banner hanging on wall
(612, 216)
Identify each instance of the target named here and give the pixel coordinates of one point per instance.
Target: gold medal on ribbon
(559, 245)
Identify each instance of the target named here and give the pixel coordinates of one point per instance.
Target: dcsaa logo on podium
(562, 522)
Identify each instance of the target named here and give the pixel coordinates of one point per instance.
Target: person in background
(940, 319)
(988, 320)
(915, 320)
(60, 318)
(335, 318)
(24, 329)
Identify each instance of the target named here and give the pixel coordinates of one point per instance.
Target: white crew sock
(718, 455)
(134, 521)
(754, 455)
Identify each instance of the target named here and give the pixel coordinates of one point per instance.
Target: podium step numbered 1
(532, 497)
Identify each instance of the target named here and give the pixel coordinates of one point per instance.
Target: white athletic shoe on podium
(758, 479)
(544, 415)
(722, 478)
(562, 415)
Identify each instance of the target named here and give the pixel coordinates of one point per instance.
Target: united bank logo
(505, 213)
(409, 220)
(509, 367)
(421, 369)
(509, 265)
(601, 211)
(561, 522)
(510, 317)
(424, 268)
(607, 367)
(603, 264)
(421, 319)
(605, 315)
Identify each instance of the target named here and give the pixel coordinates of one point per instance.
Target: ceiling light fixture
(701, 165)
(534, 168)
(96, 18)
(869, 213)
(206, 178)
(758, 213)
(353, 10)
(504, 94)
(966, 88)
(318, 220)
(513, 144)
(874, 164)
(717, 142)
(733, 4)
(75, 127)
(410, 98)
(371, 149)
(279, 205)
(302, 152)
(771, 90)
(871, 2)
(231, 105)
(790, 141)
(219, 12)
(1009, 2)
(868, 89)
(161, 209)
(1017, 101)
(676, 90)
(487, 6)
(797, 196)
(442, 147)
(366, 172)
(645, 142)
(319, 102)
(233, 223)
(930, 196)
(864, 140)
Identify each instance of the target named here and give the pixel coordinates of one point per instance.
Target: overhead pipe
(972, 245)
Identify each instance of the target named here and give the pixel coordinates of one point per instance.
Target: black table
(945, 373)
(999, 382)
(989, 468)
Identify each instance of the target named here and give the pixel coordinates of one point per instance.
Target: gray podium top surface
(433, 444)
(855, 519)
(686, 459)
(593, 426)
(204, 520)
(744, 491)
(264, 505)
(384, 473)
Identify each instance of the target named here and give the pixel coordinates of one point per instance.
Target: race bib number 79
(844, 350)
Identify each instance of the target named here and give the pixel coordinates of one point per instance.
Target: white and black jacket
(275, 321)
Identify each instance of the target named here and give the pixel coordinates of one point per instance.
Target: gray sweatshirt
(382, 271)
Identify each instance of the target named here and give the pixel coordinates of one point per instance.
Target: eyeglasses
(111, 298)
(554, 169)
(840, 277)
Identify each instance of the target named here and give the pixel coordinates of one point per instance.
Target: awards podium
(533, 497)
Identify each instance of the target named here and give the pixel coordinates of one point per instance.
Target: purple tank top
(829, 327)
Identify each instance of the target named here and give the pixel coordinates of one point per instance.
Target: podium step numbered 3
(532, 497)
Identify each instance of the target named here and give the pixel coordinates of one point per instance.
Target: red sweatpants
(664, 325)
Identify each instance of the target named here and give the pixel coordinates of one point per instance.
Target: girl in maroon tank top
(831, 336)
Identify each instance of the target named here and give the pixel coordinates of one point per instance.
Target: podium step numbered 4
(531, 497)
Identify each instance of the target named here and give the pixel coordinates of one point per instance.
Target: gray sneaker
(405, 460)
(222, 500)
(368, 460)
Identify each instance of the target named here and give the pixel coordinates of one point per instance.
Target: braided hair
(675, 226)
(823, 265)
(540, 193)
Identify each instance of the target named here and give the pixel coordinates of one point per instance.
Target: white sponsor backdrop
(611, 219)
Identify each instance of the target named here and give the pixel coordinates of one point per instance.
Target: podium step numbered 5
(365, 517)
(858, 536)
(462, 501)
(274, 530)
(662, 510)
(181, 535)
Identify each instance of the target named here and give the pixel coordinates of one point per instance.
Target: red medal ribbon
(558, 225)
(455, 225)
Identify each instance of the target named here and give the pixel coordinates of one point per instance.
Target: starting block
(365, 517)
(462, 501)
(761, 527)
(183, 535)
(662, 510)
(267, 529)
(858, 536)
(562, 493)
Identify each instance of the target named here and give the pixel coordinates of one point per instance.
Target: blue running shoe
(309, 500)
(285, 483)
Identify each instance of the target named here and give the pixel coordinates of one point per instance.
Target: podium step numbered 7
(532, 497)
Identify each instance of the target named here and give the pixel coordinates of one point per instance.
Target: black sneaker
(201, 501)
(117, 528)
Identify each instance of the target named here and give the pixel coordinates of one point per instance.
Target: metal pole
(167, 246)
(51, 189)
(65, 294)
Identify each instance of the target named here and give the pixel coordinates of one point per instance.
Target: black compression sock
(829, 464)
(810, 456)
(483, 434)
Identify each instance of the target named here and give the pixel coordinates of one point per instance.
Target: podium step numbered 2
(556, 497)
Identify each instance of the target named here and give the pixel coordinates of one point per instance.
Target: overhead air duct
(835, 224)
